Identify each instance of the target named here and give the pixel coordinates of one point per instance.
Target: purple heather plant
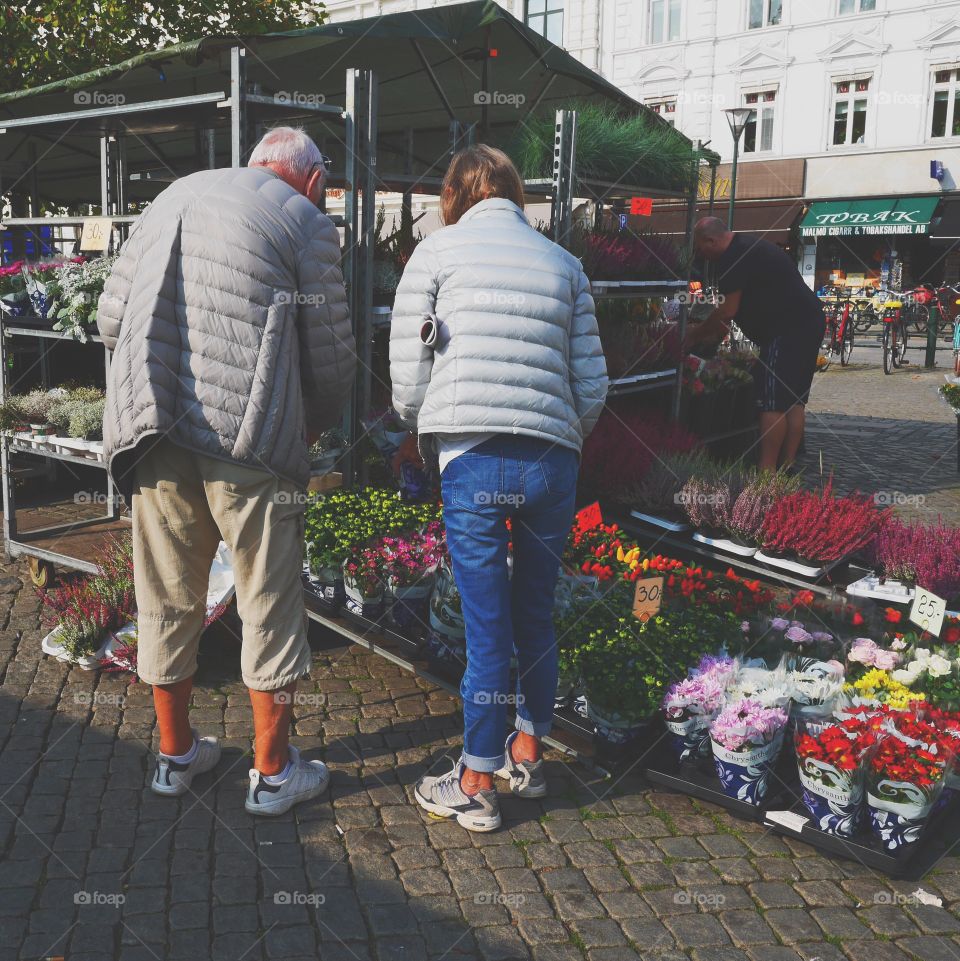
(753, 502)
(920, 554)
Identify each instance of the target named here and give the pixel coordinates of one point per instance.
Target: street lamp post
(737, 118)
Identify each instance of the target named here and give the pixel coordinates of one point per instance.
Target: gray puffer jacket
(228, 319)
(518, 350)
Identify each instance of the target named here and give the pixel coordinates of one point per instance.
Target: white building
(853, 98)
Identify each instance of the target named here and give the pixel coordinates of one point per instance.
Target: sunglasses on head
(324, 162)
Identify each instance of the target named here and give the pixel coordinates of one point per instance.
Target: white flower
(938, 666)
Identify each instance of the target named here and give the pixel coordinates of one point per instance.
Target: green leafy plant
(951, 393)
(633, 148)
(74, 291)
(87, 421)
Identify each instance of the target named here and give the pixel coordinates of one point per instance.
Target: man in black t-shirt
(762, 290)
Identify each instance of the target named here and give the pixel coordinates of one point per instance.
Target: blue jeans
(533, 482)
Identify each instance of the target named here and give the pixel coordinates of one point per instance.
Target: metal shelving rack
(39, 544)
(240, 109)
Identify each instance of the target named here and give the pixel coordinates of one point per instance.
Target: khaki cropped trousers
(183, 504)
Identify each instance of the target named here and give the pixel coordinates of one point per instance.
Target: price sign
(641, 206)
(589, 517)
(928, 611)
(96, 233)
(647, 598)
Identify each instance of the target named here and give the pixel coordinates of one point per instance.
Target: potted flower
(410, 564)
(690, 705)
(905, 776)
(745, 524)
(326, 451)
(446, 639)
(806, 530)
(708, 498)
(656, 496)
(831, 764)
(325, 575)
(919, 554)
(363, 582)
(933, 674)
(746, 739)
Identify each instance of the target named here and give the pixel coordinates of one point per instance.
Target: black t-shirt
(775, 300)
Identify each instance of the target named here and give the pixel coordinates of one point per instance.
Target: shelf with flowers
(60, 421)
(717, 394)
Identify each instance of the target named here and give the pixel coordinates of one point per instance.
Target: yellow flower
(620, 554)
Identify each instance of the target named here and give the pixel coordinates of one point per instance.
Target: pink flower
(886, 660)
(898, 644)
(798, 635)
(779, 624)
(822, 636)
(745, 627)
(863, 651)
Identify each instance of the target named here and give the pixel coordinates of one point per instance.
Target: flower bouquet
(933, 674)
(690, 705)
(905, 777)
(831, 763)
(746, 739)
(363, 581)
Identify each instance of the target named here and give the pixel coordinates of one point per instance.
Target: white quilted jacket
(228, 319)
(518, 350)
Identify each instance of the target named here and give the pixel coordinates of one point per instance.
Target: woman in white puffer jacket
(496, 361)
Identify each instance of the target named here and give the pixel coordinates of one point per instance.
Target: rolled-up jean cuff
(485, 765)
(536, 728)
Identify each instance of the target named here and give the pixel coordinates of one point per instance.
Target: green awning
(869, 218)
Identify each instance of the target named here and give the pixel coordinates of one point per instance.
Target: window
(946, 104)
(666, 107)
(850, 100)
(758, 132)
(855, 6)
(764, 13)
(664, 20)
(546, 17)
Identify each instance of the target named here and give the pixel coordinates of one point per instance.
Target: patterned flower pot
(689, 736)
(898, 811)
(328, 586)
(409, 606)
(612, 727)
(566, 688)
(745, 775)
(366, 605)
(834, 798)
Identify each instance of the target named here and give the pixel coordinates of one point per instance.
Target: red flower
(858, 619)
(892, 615)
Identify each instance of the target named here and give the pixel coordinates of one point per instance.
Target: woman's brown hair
(475, 174)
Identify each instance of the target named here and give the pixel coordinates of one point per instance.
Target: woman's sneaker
(172, 778)
(444, 797)
(304, 780)
(526, 777)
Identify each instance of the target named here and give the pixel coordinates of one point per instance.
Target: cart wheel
(41, 572)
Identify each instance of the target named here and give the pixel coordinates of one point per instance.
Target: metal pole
(238, 118)
(368, 201)
(684, 305)
(733, 182)
(105, 176)
(564, 161)
(713, 188)
(930, 360)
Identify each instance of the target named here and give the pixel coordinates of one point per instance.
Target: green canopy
(869, 218)
(470, 61)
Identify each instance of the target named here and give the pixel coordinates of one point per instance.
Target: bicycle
(840, 325)
(937, 306)
(894, 335)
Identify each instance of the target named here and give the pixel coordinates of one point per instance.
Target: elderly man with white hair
(232, 349)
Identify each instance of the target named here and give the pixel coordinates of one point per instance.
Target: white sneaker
(442, 796)
(527, 778)
(171, 778)
(306, 780)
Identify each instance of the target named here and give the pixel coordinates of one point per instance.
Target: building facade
(853, 101)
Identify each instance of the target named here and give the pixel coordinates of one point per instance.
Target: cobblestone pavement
(889, 434)
(95, 867)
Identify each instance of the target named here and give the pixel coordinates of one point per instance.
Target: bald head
(711, 237)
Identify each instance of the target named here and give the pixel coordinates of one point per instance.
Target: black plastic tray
(699, 780)
(942, 830)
